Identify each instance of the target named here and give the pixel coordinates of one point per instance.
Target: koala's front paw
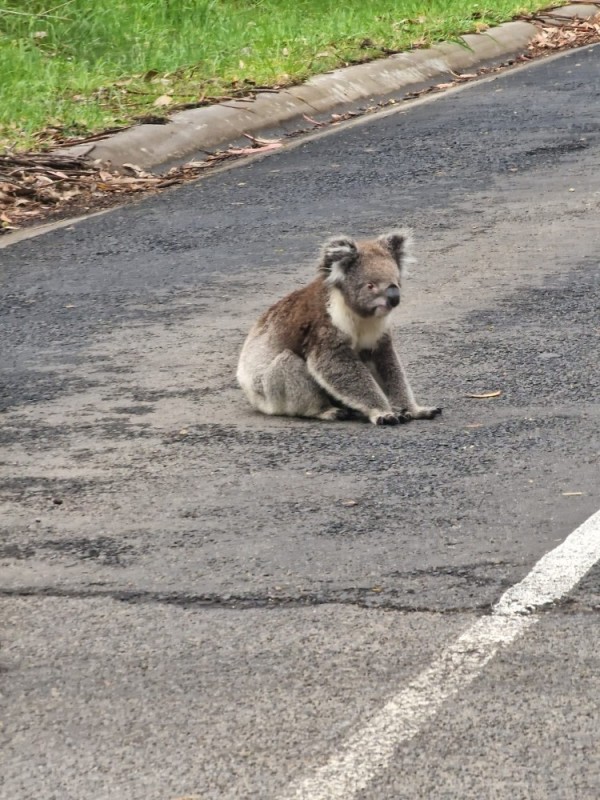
(387, 418)
(424, 412)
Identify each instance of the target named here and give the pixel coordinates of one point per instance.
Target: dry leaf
(313, 121)
(251, 151)
(261, 142)
(43, 180)
(137, 171)
(485, 395)
(6, 223)
(49, 195)
(163, 100)
(349, 503)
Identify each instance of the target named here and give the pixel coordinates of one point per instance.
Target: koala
(325, 351)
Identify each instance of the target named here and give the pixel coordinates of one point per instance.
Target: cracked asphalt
(202, 602)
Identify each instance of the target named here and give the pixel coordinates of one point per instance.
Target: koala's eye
(370, 285)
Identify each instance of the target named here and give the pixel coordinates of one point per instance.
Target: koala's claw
(389, 418)
(426, 413)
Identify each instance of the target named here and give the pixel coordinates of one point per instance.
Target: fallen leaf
(313, 121)
(261, 142)
(485, 395)
(572, 494)
(70, 194)
(49, 195)
(43, 180)
(349, 503)
(6, 223)
(163, 100)
(251, 151)
(137, 171)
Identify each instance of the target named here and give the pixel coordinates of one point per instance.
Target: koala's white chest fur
(364, 333)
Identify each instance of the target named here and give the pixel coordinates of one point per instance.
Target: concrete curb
(222, 125)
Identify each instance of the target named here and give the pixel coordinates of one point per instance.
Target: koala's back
(289, 323)
(285, 326)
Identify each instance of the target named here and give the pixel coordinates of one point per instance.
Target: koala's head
(368, 274)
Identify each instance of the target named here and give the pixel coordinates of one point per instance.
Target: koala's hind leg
(290, 390)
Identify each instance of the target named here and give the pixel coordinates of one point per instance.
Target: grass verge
(73, 67)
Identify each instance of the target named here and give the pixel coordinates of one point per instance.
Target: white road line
(368, 752)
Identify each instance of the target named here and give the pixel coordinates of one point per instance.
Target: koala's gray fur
(325, 350)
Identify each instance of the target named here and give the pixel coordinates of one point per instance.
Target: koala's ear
(337, 255)
(399, 243)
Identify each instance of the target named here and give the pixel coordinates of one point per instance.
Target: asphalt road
(192, 606)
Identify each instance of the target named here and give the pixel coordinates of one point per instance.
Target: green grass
(72, 67)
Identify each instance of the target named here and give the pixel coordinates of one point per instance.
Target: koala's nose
(393, 295)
